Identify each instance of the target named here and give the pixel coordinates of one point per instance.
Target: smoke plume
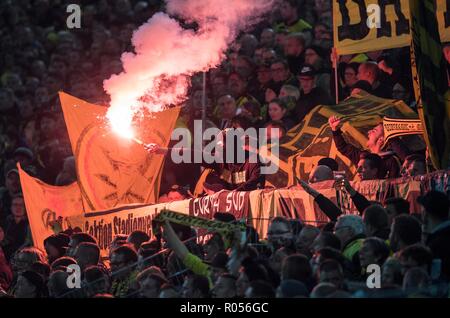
(157, 74)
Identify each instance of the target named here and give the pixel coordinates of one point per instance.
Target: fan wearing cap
(436, 227)
(311, 96)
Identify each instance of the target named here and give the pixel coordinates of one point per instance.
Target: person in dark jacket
(310, 96)
(360, 86)
(278, 112)
(12, 187)
(331, 210)
(17, 228)
(375, 145)
(437, 227)
(376, 222)
(381, 82)
(294, 50)
(241, 174)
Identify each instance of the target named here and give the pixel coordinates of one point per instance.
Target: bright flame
(120, 119)
(158, 74)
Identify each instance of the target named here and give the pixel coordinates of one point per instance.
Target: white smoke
(166, 54)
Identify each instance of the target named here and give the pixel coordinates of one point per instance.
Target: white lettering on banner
(206, 205)
(235, 201)
(231, 202)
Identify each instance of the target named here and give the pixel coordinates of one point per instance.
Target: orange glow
(120, 119)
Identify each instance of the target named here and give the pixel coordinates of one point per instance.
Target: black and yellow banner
(394, 127)
(430, 81)
(353, 33)
(259, 207)
(195, 221)
(305, 144)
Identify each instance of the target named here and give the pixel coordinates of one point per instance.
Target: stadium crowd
(272, 77)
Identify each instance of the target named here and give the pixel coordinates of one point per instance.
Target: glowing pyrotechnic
(120, 119)
(166, 55)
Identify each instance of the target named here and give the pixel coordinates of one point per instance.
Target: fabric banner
(400, 127)
(295, 203)
(430, 82)
(46, 204)
(112, 170)
(305, 144)
(292, 203)
(105, 225)
(380, 190)
(236, 203)
(232, 202)
(353, 35)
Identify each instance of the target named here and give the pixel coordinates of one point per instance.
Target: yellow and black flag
(430, 80)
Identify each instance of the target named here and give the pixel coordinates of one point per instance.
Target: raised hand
(334, 122)
(348, 187)
(151, 148)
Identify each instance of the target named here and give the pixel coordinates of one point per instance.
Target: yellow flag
(48, 205)
(369, 25)
(305, 144)
(112, 170)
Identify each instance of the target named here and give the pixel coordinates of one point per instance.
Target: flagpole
(204, 103)
(335, 57)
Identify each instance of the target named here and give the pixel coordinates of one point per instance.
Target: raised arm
(174, 242)
(360, 201)
(342, 145)
(155, 148)
(326, 205)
